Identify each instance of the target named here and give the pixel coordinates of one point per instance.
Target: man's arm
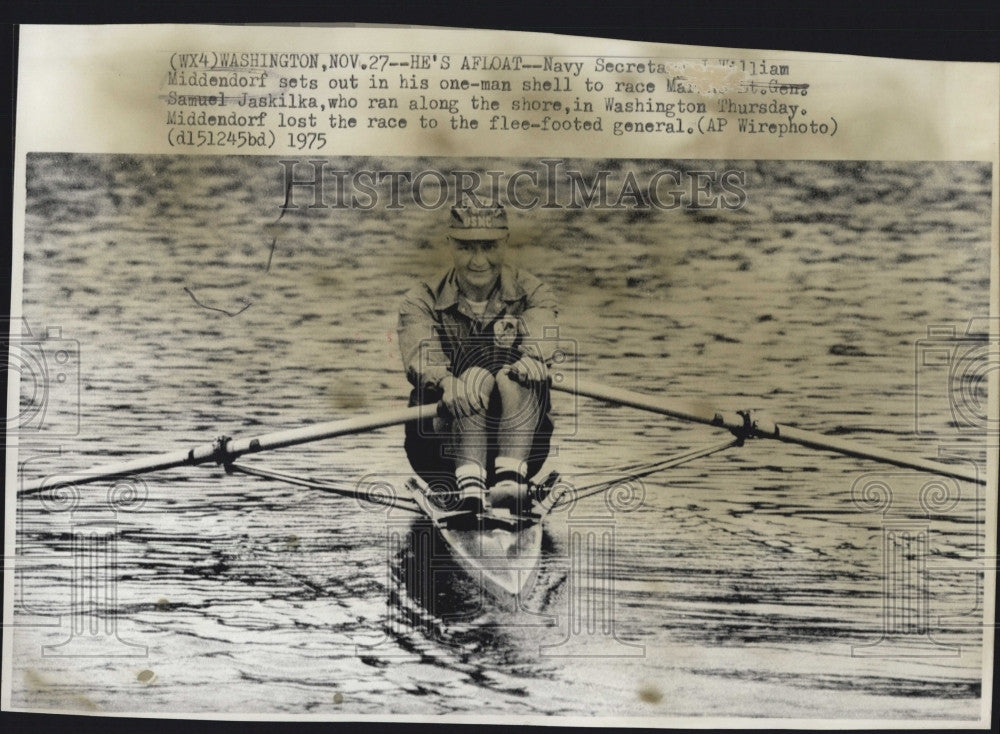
(541, 314)
(427, 364)
(537, 346)
(424, 358)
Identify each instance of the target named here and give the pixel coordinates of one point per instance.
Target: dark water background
(747, 578)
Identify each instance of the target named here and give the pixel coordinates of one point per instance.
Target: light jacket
(439, 334)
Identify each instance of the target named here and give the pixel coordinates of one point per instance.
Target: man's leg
(470, 436)
(449, 455)
(428, 447)
(521, 411)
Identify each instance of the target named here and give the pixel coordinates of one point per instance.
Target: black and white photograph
(543, 439)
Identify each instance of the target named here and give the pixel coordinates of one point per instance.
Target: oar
(227, 450)
(744, 424)
(224, 451)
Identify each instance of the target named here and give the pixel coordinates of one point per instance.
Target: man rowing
(472, 341)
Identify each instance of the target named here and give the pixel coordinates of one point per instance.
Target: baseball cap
(470, 222)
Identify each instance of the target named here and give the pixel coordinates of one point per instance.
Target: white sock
(511, 488)
(509, 464)
(470, 478)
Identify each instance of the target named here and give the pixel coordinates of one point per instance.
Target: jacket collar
(507, 290)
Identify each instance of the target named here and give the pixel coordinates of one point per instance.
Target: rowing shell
(500, 551)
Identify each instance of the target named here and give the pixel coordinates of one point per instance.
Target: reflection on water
(745, 579)
(433, 592)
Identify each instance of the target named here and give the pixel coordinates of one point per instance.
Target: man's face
(477, 262)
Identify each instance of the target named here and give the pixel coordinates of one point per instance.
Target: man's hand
(527, 371)
(469, 393)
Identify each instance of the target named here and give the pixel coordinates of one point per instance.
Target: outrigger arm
(746, 425)
(225, 450)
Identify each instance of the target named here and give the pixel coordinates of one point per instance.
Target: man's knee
(510, 390)
(482, 385)
(513, 393)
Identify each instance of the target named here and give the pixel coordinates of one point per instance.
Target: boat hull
(501, 553)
